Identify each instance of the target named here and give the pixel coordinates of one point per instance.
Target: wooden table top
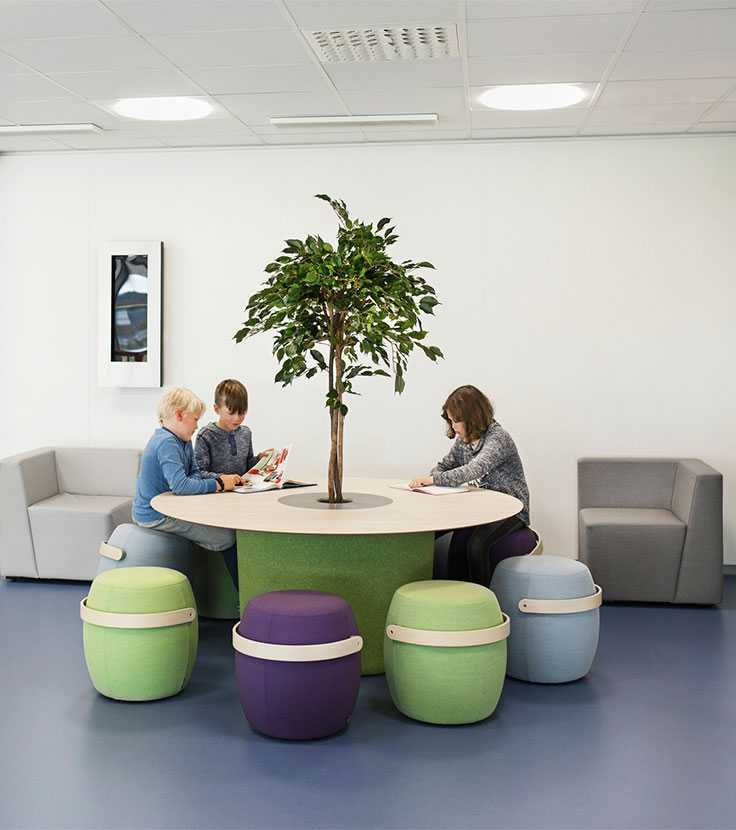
(406, 512)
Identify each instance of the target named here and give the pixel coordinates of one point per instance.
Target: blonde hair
(179, 399)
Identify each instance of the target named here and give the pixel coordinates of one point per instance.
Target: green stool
(445, 651)
(140, 633)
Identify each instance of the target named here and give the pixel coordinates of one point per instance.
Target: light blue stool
(553, 605)
(134, 546)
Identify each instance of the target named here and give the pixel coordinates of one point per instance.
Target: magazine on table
(434, 489)
(268, 473)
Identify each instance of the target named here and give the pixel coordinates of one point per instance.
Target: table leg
(364, 570)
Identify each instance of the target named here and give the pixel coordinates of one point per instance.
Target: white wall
(587, 286)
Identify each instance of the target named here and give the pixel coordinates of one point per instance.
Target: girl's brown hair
(233, 394)
(470, 405)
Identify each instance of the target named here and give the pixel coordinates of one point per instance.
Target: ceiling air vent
(390, 43)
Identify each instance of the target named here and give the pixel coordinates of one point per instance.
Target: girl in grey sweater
(485, 455)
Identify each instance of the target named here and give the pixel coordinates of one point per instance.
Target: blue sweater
(167, 464)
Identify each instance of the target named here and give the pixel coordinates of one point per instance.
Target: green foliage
(348, 310)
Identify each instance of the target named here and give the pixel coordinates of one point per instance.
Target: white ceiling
(652, 66)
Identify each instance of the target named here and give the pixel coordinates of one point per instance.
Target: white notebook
(433, 489)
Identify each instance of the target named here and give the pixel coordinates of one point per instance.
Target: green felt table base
(213, 587)
(364, 570)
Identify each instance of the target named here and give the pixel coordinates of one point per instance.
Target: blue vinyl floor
(648, 740)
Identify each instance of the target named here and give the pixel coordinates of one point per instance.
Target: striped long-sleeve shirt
(492, 462)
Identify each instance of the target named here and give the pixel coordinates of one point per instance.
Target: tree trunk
(340, 418)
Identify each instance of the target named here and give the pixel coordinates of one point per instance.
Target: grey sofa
(651, 529)
(57, 504)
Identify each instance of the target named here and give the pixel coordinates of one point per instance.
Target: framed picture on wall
(130, 338)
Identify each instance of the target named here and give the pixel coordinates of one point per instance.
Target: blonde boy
(168, 464)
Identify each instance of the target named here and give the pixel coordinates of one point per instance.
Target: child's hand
(230, 481)
(424, 481)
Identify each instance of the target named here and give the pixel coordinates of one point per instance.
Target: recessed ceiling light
(532, 96)
(163, 109)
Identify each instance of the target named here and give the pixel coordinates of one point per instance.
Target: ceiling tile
(685, 5)
(58, 111)
(73, 18)
(415, 135)
(448, 103)
(684, 31)
(28, 88)
(216, 139)
(387, 75)
(85, 54)
(635, 129)
(22, 143)
(626, 93)
(524, 132)
(113, 140)
(235, 48)
(651, 114)
(338, 137)
(542, 35)
(538, 69)
(317, 14)
(174, 16)
(714, 127)
(226, 124)
(723, 112)
(478, 9)
(10, 66)
(225, 80)
(126, 83)
(494, 119)
(257, 109)
(664, 65)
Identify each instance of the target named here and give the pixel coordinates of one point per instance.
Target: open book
(434, 489)
(269, 473)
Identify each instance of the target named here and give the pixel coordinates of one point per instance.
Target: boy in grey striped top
(226, 445)
(483, 454)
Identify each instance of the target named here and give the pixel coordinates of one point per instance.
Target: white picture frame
(130, 314)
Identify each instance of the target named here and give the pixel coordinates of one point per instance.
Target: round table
(361, 551)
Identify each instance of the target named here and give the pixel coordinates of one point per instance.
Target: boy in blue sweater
(168, 464)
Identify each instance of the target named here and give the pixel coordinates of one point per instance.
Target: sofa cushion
(633, 553)
(92, 471)
(67, 530)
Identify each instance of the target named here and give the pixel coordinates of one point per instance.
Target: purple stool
(297, 663)
(518, 543)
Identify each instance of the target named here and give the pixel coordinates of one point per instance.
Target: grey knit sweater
(219, 451)
(492, 462)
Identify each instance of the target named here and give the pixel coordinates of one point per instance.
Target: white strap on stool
(111, 552)
(161, 619)
(539, 547)
(295, 654)
(562, 606)
(449, 639)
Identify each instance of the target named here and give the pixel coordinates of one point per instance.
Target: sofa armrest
(24, 480)
(697, 500)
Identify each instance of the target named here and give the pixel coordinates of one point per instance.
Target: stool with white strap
(297, 663)
(554, 606)
(140, 632)
(445, 651)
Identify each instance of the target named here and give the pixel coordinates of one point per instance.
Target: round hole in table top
(358, 501)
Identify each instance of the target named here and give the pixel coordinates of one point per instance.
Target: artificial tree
(351, 300)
